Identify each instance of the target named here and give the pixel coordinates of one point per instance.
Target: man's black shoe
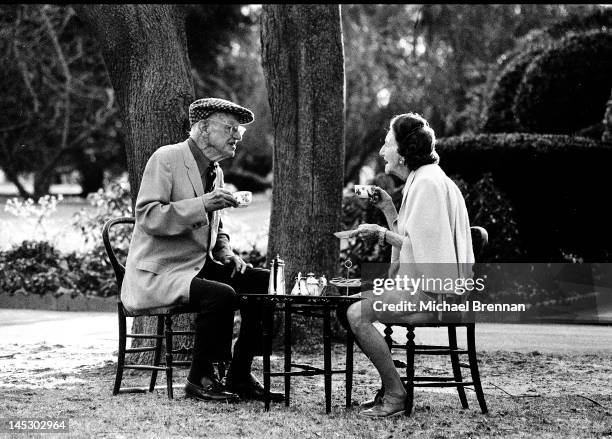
(215, 391)
(250, 388)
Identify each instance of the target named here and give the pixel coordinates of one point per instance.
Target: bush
(598, 19)
(37, 268)
(499, 115)
(566, 87)
(490, 208)
(553, 182)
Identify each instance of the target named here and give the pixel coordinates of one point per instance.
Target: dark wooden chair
(479, 240)
(164, 328)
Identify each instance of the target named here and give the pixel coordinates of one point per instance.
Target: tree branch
(67, 75)
(23, 69)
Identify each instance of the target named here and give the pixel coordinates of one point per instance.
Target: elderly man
(180, 254)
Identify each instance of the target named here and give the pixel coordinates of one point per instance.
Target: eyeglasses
(232, 129)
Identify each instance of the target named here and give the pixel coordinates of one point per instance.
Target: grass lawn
(546, 397)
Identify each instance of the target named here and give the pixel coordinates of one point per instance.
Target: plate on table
(342, 282)
(343, 235)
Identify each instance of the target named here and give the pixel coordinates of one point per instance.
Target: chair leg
(452, 343)
(327, 366)
(287, 346)
(471, 342)
(158, 348)
(388, 339)
(121, 353)
(410, 347)
(169, 347)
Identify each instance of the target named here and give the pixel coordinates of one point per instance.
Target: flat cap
(202, 108)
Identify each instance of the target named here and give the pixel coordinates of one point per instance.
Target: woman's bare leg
(361, 317)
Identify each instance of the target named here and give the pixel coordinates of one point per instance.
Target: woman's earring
(401, 160)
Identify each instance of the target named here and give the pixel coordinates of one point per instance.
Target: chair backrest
(117, 266)
(480, 239)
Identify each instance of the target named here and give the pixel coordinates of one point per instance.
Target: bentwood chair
(451, 321)
(164, 329)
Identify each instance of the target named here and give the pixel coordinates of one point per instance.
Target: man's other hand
(219, 199)
(239, 264)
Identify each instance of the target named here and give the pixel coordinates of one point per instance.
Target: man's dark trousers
(215, 294)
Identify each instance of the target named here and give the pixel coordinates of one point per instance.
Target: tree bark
(145, 52)
(303, 63)
(607, 122)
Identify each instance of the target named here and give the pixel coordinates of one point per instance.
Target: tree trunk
(13, 177)
(303, 64)
(42, 184)
(607, 132)
(145, 52)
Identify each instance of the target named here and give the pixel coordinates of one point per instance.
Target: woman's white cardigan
(434, 222)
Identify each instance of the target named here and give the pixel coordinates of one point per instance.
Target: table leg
(267, 348)
(287, 352)
(349, 367)
(327, 357)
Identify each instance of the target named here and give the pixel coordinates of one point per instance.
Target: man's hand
(239, 264)
(219, 199)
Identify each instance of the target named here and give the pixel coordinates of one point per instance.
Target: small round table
(293, 304)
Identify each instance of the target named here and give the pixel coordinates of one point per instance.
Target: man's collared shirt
(203, 164)
(201, 160)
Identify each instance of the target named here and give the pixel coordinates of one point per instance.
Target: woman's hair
(416, 141)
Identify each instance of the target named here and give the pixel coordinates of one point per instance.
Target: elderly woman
(430, 238)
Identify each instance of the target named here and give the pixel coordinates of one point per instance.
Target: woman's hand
(380, 198)
(368, 232)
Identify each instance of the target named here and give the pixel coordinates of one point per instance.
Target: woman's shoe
(387, 408)
(372, 402)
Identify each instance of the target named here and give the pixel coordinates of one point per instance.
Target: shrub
(598, 19)
(112, 201)
(38, 268)
(566, 87)
(490, 208)
(553, 182)
(499, 115)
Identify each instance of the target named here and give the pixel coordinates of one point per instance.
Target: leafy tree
(57, 105)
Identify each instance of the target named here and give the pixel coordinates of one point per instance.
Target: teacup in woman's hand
(363, 190)
(244, 198)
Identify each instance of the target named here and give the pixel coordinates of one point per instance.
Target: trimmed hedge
(599, 19)
(499, 114)
(557, 185)
(566, 87)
